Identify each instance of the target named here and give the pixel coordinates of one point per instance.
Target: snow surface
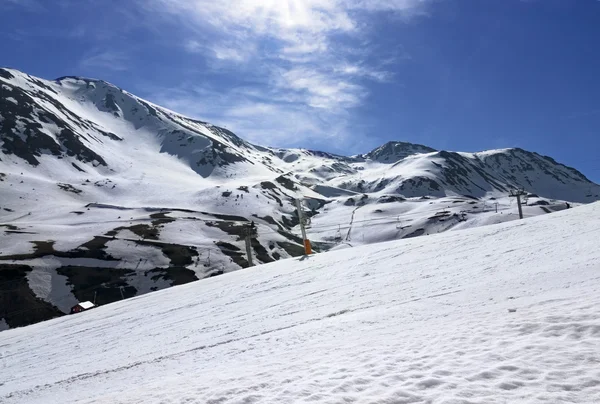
(506, 313)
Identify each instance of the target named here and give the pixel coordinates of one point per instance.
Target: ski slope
(507, 313)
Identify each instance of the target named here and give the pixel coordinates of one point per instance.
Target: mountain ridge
(106, 194)
(372, 154)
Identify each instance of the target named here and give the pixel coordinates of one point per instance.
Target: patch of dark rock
(390, 199)
(102, 284)
(19, 306)
(268, 185)
(97, 243)
(78, 212)
(350, 202)
(261, 252)
(227, 217)
(10, 227)
(218, 155)
(74, 147)
(91, 249)
(42, 248)
(145, 231)
(243, 188)
(69, 188)
(439, 215)
(286, 182)
(419, 185)
(8, 210)
(34, 143)
(5, 74)
(270, 220)
(290, 222)
(234, 253)
(226, 194)
(2, 176)
(539, 203)
(161, 218)
(229, 135)
(292, 249)
(42, 85)
(180, 255)
(18, 232)
(277, 199)
(176, 275)
(233, 229)
(78, 168)
(110, 104)
(227, 246)
(320, 246)
(416, 233)
(149, 108)
(111, 136)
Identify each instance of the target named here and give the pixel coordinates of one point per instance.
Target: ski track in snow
(424, 320)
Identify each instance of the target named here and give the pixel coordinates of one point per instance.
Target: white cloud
(322, 90)
(310, 75)
(356, 70)
(111, 60)
(29, 5)
(230, 53)
(193, 46)
(258, 117)
(284, 19)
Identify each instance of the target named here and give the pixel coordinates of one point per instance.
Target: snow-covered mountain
(106, 195)
(497, 314)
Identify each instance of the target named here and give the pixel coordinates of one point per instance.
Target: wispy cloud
(262, 116)
(29, 5)
(309, 58)
(582, 114)
(108, 59)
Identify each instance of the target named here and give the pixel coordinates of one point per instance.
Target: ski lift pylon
(399, 224)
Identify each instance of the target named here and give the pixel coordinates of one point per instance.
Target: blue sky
(339, 75)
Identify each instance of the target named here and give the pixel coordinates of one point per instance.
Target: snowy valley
(506, 313)
(106, 196)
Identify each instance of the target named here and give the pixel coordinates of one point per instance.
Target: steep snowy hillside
(106, 196)
(498, 314)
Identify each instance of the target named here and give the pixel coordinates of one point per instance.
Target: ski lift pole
(307, 246)
(250, 233)
(518, 193)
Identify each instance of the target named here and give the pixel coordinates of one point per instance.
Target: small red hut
(82, 306)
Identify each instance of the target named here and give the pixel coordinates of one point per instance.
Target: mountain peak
(393, 151)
